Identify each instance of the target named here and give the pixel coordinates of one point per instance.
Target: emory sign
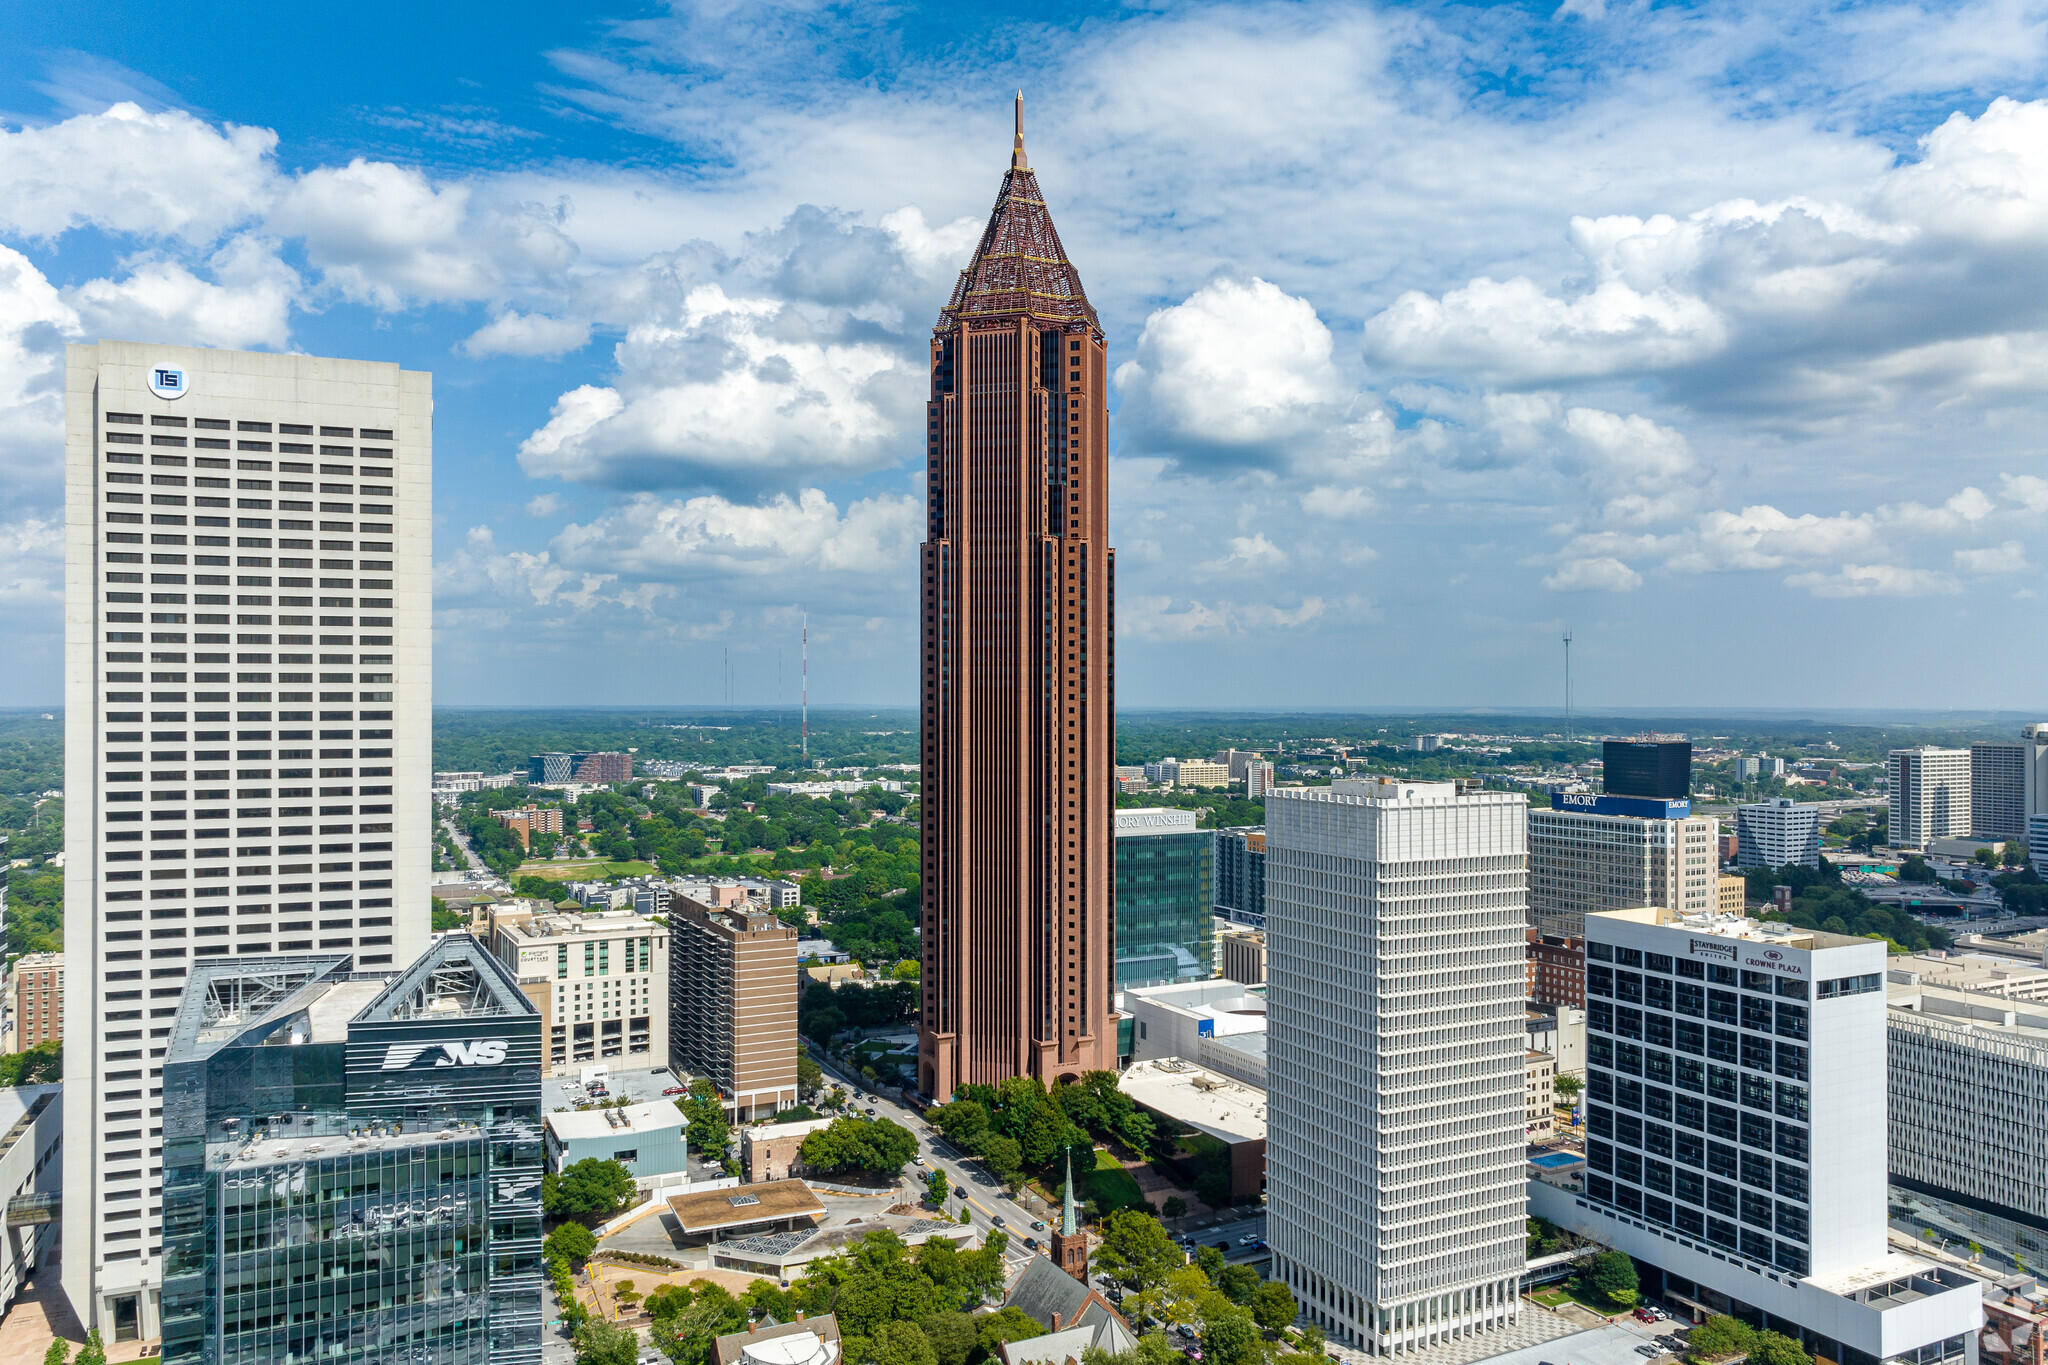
(481, 1052)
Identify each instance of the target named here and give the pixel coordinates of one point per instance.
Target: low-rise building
(1241, 954)
(31, 1180)
(38, 988)
(1215, 1105)
(584, 767)
(770, 1151)
(1539, 1095)
(1560, 1032)
(787, 1255)
(821, 790)
(1734, 895)
(1983, 973)
(600, 979)
(806, 1341)
(718, 1215)
(650, 1140)
(1556, 969)
(1173, 1021)
(528, 821)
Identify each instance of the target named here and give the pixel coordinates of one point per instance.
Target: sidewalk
(41, 1313)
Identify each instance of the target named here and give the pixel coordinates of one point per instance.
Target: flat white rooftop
(572, 1125)
(1225, 1109)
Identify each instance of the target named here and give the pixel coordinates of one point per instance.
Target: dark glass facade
(1659, 768)
(353, 1184)
(1241, 875)
(1165, 915)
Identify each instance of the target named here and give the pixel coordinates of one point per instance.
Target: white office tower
(247, 682)
(1736, 1119)
(1930, 795)
(1395, 927)
(1780, 833)
(1592, 852)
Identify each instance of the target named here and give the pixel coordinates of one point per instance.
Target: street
(476, 864)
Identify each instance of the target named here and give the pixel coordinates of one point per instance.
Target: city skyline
(1614, 310)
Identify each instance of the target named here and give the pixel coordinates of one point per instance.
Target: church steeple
(1070, 1244)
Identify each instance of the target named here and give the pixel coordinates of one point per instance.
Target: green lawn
(582, 869)
(1111, 1186)
(1551, 1298)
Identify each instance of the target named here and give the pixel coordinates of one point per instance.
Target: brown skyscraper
(1019, 677)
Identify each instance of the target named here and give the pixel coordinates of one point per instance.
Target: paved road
(476, 864)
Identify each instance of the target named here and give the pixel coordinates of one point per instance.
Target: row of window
(1716, 972)
(1785, 1020)
(1851, 985)
(1753, 1244)
(1622, 984)
(134, 419)
(1686, 1142)
(1716, 1045)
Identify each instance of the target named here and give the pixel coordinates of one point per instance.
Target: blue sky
(1717, 333)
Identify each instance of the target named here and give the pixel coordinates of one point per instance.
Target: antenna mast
(807, 687)
(1567, 684)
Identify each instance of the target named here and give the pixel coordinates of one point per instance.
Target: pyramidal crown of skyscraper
(1019, 267)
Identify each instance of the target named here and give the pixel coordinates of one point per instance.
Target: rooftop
(1718, 925)
(1226, 1109)
(1970, 972)
(574, 1125)
(2022, 1022)
(768, 1202)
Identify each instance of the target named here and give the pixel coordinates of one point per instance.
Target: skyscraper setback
(1018, 682)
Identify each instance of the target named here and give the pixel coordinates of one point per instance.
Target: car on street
(997, 1220)
(869, 1112)
(960, 1190)
(1031, 1242)
(1247, 1240)
(917, 1161)
(1038, 1225)
(1223, 1246)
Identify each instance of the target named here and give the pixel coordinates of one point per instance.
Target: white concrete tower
(1395, 921)
(248, 677)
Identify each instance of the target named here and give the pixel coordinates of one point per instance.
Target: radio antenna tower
(1567, 684)
(807, 687)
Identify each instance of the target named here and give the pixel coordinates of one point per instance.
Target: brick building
(38, 1000)
(1557, 969)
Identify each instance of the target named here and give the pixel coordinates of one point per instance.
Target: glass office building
(1165, 898)
(1241, 875)
(353, 1163)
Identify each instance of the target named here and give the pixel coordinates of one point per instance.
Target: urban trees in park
(935, 1185)
(571, 1241)
(1717, 1338)
(1273, 1306)
(1611, 1275)
(600, 1343)
(1775, 1348)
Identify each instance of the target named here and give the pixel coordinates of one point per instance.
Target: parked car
(1649, 1350)
(674, 1090)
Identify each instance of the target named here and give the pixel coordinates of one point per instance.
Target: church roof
(1019, 268)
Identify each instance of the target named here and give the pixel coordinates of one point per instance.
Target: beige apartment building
(38, 1000)
(1539, 1095)
(1734, 895)
(732, 1004)
(1584, 862)
(600, 980)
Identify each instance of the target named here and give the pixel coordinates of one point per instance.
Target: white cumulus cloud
(726, 390)
(1603, 573)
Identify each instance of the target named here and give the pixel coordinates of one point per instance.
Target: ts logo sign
(482, 1052)
(167, 381)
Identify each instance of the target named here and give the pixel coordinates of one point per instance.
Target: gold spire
(1017, 161)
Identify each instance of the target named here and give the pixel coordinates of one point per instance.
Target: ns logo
(481, 1052)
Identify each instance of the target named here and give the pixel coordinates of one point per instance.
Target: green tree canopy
(572, 1241)
(1717, 1337)
(1273, 1306)
(1232, 1338)
(600, 1343)
(1137, 1250)
(953, 1336)
(590, 1188)
(877, 1146)
(1775, 1348)
(1611, 1274)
